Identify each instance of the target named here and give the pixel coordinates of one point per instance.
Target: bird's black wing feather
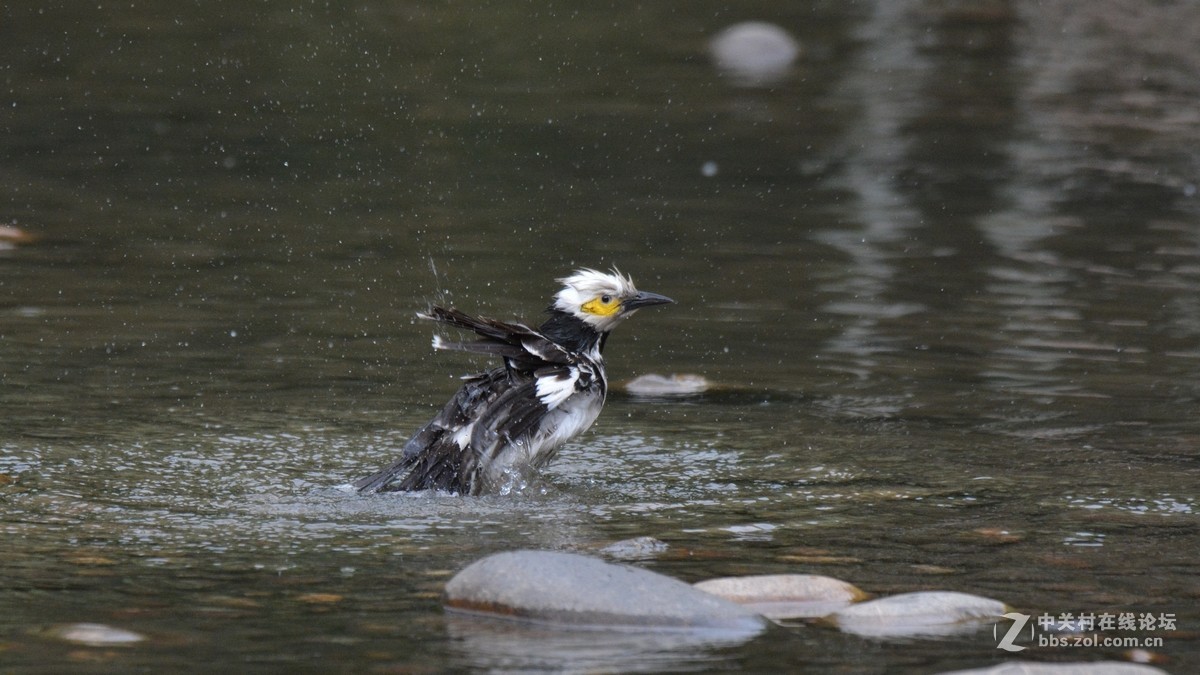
(489, 329)
(522, 347)
(503, 403)
(509, 418)
(431, 452)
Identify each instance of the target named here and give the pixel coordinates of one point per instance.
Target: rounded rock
(573, 590)
(95, 635)
(920, 613)
(754, 53)
(638, 548)
(653, 384)
(786, 596)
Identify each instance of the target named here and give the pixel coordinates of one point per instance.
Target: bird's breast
(571, 418)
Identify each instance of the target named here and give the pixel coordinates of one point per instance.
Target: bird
(511, 419)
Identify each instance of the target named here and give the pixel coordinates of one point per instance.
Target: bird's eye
(606, 298)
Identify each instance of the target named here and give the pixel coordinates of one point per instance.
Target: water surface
(944, 278)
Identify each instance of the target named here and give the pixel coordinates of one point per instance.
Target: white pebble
(755, 53)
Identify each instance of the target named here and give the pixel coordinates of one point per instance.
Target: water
(944, 278)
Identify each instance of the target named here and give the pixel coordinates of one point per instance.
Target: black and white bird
(511, 419)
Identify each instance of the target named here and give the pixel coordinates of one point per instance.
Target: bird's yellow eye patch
(602, 305)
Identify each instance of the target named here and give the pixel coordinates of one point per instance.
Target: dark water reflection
(945, 276)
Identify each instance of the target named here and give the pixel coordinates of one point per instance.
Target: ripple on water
(1161, 504)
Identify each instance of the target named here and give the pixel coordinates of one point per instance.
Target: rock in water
(785, 596)
(94, 635)
(638, 548)
(754, 53)
(572, 590)
(653, 384)
(920, 613)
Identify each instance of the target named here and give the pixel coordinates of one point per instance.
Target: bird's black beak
(645, 300)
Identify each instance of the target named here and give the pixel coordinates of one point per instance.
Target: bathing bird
(505, 422)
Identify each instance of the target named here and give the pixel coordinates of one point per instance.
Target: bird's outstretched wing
(522, 347)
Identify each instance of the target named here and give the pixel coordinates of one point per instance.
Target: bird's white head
(602, 300)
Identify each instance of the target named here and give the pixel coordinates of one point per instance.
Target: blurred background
(938, 260)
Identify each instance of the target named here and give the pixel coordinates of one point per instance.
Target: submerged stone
(653, 384)
(920, 613)
(786, 596)
(572, 590)
(11, 234)
(94, 634)
(754, 53)
(638, 548)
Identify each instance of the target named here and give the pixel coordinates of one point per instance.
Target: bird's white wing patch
(544, 349)
(555, 387)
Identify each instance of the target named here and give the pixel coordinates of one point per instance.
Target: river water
(944, 279)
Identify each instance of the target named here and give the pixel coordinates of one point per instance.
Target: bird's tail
(378, 482)
(440, 469)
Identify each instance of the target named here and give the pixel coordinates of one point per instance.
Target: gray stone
(638, 548)
(653, 384)
(573, 590)
(920, 613)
